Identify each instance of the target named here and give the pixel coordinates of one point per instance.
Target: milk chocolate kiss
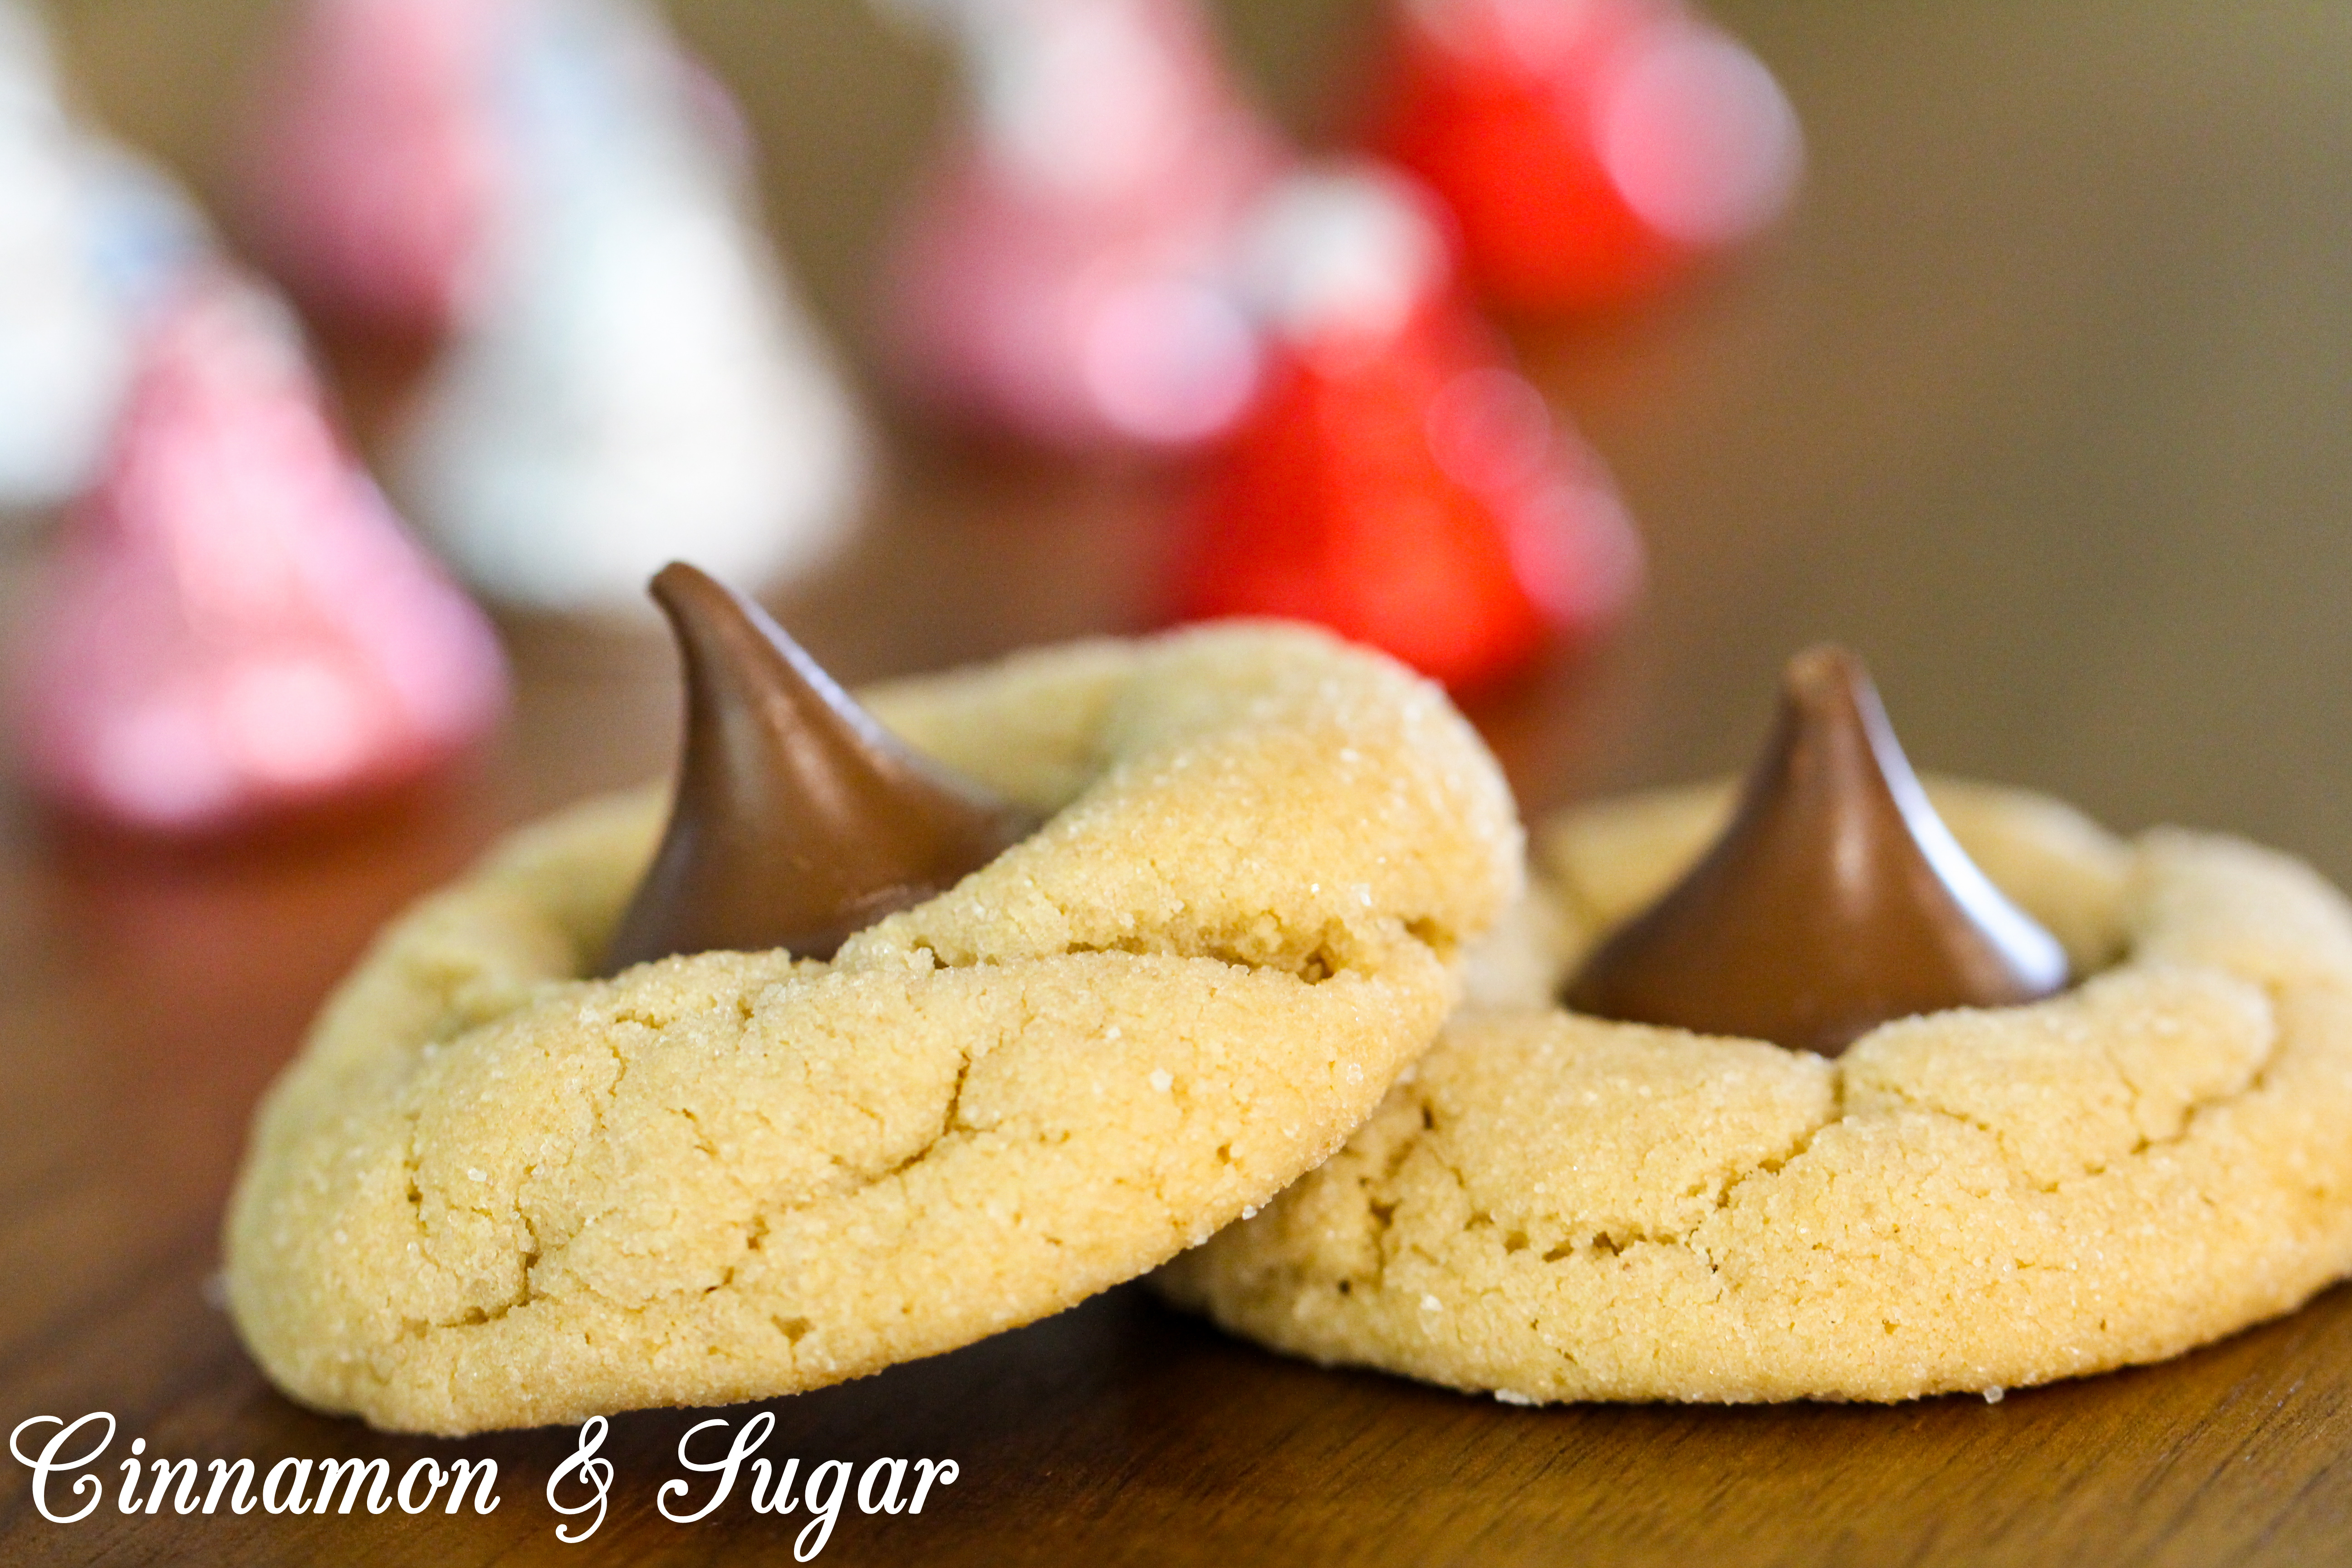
(1836, 900)
(799, 821)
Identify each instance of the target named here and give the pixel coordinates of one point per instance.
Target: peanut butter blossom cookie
(927, 1020)
(1871, 1098)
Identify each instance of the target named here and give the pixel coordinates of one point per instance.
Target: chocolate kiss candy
(1395, 480)
(799, 820)
(1836, 900)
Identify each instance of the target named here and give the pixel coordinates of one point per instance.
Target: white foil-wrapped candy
(640, 385)
(89, 234)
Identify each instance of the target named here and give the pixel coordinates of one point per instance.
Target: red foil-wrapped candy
(1060, 273)
(1591, 149)
(235, 624)
(1395, 480)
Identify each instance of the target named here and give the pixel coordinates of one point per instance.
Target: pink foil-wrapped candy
(375, 161)
(235, 623)
(1060, 274)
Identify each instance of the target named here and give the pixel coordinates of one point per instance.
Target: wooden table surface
(2041, 401)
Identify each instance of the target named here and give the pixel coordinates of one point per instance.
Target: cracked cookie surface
(1551, 1206)
(492, 1193)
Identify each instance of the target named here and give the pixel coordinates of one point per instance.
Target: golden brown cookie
(1551, 1206)
(490, 1193)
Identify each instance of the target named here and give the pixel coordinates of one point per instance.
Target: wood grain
(2040, 402)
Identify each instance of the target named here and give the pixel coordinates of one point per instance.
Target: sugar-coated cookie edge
(491, 1195)
(1554, 1207)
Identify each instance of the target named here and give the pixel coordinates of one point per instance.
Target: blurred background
(2036, 396)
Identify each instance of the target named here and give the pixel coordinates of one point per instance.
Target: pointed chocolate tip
(678, 584)
(1825, 676)
(798, 821)
(1836, 900)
